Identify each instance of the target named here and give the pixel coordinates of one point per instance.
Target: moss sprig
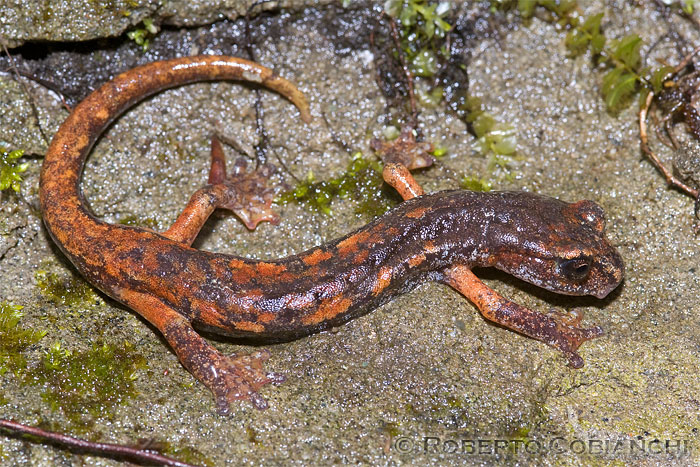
(625, 74)
(422, 32)
(362, 182)
(495, 140)
(14, 339)
(90, 384)
(11, 168)
(143, 36)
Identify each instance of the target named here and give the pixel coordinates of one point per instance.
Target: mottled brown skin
(550, 243)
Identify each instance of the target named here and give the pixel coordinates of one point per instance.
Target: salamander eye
(575, 269)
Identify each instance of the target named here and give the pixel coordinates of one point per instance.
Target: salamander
(435, 237)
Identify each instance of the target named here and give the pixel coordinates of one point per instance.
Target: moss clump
(72, 292)
(494, 139)
(14, 339)
(475, 184)
(10, 169)
(142, 36)
(87, 385)
(422, 33)
(362, 182)
(132, 220)
(625, 76)
(185, 454)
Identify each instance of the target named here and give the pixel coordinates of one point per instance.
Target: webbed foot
(228, 377)
(405, 150)
(559, 330)
(569, 335)
(240, 377)
(246, 193)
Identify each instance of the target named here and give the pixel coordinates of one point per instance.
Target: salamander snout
(608, 272)
(556, 245)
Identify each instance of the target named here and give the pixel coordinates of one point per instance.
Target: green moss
(587, 35)
(625, 76)
(10, 169)
(142, 36)
(495, 140)
(185, 454)
(72, 291)
(87, 385)
(439, 151)
(362, 182)
(493, 137)
(14, 339)
(621, 57)
(688, 6)
(133, 220)
(475, 184)
(392, 429)
(422, 33)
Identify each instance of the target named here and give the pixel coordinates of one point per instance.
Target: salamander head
(556, 245)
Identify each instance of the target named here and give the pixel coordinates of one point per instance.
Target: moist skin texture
(556, 245)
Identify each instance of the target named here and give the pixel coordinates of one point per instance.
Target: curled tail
(62, 203)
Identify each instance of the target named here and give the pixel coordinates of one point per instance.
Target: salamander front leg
(400, 156)
(562, 333)
(398, 176)
(245, 193)
(229, 378)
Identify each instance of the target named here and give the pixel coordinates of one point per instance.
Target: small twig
(51, 86)
(670, 178)
(686, 60)
(334, 135)
(261, 149)
(233, 142)
(103, 449)
(406, 71)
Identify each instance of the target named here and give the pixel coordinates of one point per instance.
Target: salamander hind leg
(247, 193)
(564, 333)
(229, 378)
(244, 192)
